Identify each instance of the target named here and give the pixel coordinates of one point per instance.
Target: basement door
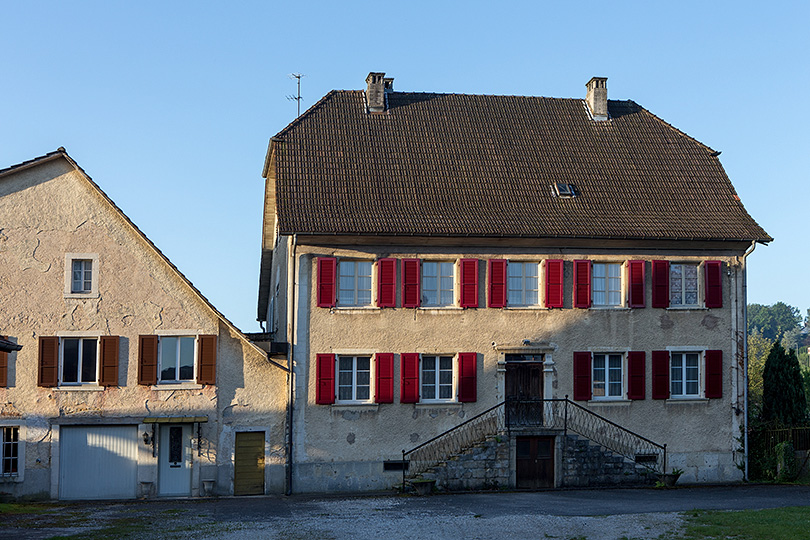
(534, 466)
(175, 455)
(248, 466)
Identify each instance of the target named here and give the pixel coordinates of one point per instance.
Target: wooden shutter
(714, 374)
(411, 294)
(108, 375)
(327, 278)
(387, 283)
(207, 360)
(147, 359)
(48, 372)
(325, 375)
(635, 274)
(714, 284)
(384, 387)
(409, 387)
(582, 376)
(554, 283)
(3, 367)
(582, 284)
(660, 284)
(660, 374)
(469, 283)
(497, 283)
(467, 377)
(636, 375)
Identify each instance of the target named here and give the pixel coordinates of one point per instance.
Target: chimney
(597, 97)
(375, 93)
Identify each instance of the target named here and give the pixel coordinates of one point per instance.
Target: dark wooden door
(524, 393)
(534, 462)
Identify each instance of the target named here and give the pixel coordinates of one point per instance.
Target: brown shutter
(109, 361)
(147, 359)
(3, 367)
(48, 361)
(207, 360)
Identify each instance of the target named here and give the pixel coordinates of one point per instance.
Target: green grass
(23, 508)
(791, 523)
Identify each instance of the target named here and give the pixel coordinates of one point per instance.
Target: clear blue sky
(169, 105)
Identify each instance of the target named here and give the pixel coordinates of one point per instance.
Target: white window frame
(356, 290)
(523, 283)
(179, 337)
(82, 339)
(439, 289)
(436, 378)
(698, 287)
(19, 445)
(622, 375)
(354, 383)
(69, 258)
(607, 278)
(699, 353)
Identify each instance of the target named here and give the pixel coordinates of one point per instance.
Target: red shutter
(411, 294)
(109, 361)
(207, 360)
(636, 375)
(469, 283)
(327, 278)
(660, 374)
(582, 284)
(660, 284)
(409, 388)
(582, 376)
(387, 283)
(554, 283)
(384, 387)
(714, 284)
(467, 377)
(714, 374)
(48, 361)
(147, 359)
(3, 367)
(635, 272)
(497, 283)
(325, 374)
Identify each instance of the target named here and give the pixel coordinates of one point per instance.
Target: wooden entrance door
(524, 390)
(248, 477)
(534, 462)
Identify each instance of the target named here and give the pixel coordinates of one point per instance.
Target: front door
(175, 455)
(524, 390)
(534, 462)
(248, 467)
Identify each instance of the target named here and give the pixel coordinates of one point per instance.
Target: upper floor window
(176, 358)
(81, 275)
(684, 379)
(172, 359)
(82, 280)
(683, 284)
(522, 283)
(354, 284)
(437, 378)
(354, 378)
(79, 360)
(437, 283)
(9, 450)
(606, 284)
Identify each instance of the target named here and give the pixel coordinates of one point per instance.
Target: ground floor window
(9, 454)
(354, 378)
(684, 374)
(437, 377)
(607, 375)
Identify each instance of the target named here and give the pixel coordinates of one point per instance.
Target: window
(684, 379)
(82, 279)
(81, 275)
(176, 358)
(79, 360)
(437, 378)
(9, 451)
(354, 378)
(437, 283)
(522, 284)
(608, 376)
(683, 284)
(354, 283)
(606, 284)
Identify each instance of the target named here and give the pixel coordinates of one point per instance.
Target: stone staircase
(586, 464)
(483, 466)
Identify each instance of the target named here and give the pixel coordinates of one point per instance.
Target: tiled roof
(469, 165)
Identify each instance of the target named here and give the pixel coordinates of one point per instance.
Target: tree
(783, 399)
(758, 348)
(773, 321)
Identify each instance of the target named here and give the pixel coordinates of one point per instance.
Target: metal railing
(799, 437)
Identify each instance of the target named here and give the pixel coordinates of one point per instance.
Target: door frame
(191, 460)
(551, 467)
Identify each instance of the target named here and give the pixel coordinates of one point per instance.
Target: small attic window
(565, 191)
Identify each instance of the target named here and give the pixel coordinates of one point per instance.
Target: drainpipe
(290, 359)
(748, 252)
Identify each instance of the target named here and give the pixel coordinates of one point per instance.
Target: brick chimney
(375, 93)
(597, 97)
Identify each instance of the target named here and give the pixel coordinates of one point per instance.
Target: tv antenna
(296, 98)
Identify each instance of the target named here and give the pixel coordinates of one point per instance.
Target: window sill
(687, 400)
(441, 309)
(610, 308)
(11, 479)
(80, 296)
(177, 386)
(526, 308)
(350, 310)
(687, 308)
(356, 406)
(81, 388)
(438, 405)
(610, 402)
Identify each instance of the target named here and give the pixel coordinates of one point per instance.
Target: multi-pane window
(437, 377)
(607, 375)
(354, 284)
(79, 360)
(521, 284)
(684, 379)
(683, 284)
(176, 358)
(354, 378)
(82, 276)
(606, 284)
(437, 283)
(9, 451)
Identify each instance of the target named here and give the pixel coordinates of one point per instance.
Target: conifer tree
(783, 400)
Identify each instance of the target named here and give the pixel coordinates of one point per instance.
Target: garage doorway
(98, 462)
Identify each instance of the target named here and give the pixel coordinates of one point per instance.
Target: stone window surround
(69, 258)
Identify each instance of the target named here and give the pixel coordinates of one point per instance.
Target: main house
(118, 379)
(503, 291)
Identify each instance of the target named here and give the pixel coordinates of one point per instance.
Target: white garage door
(98, 462)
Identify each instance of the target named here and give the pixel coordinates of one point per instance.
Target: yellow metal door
(248, 478)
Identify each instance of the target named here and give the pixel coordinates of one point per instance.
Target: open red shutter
(636, 375)
(325, 375)
(469, 283)
(409, 389)
(660, 284)
(207, 360)
(387, 283)
(582, 376)
(384, 387)
(497, 283)
(147, 359)
(660, 374)
(3, 367)
(714, 284)
(467, 377)
(48, 361)
(714, 374)
(635, 272)
(109, 361)
(327, 278)
(554, 283)
(411, 294)
(582, 284)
